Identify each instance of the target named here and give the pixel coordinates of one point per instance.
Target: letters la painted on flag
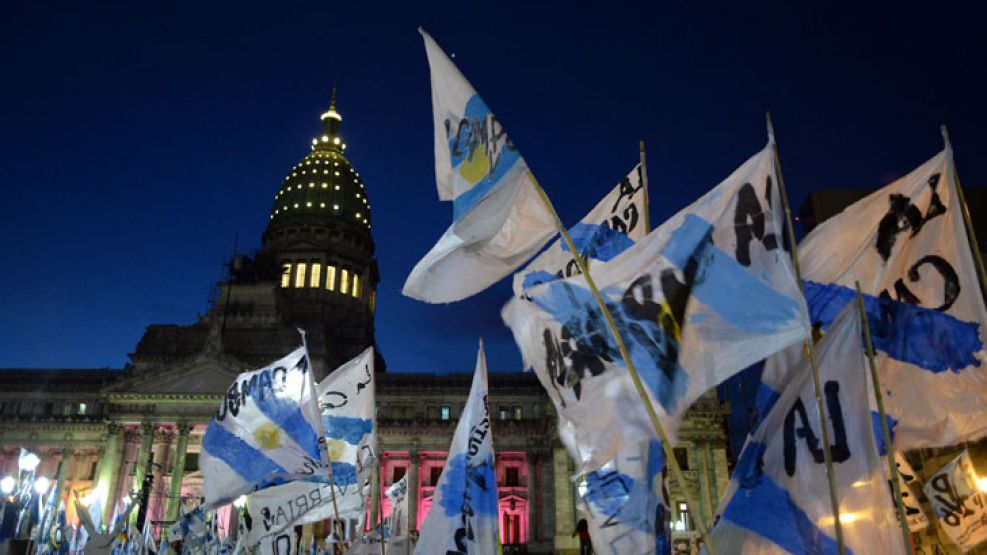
(463, 516)
(906, 479)
(614, 224)
(958, 503)
(347, 401)
(267, 431)
(908, 247)
(706, 294)
(776, 501)
(499, 221)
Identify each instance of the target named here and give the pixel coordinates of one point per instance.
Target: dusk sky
(138, 140)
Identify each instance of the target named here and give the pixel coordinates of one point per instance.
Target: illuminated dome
(323, 185)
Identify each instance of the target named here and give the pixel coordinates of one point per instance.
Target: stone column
(565, 511)
(157, 501)
(140, 468)
(177, 472)
(108, 470)
(533, 485)
(63, 472)
(413, 488)
(714, 494)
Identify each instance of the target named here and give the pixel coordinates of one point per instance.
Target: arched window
(330, 277)
(286, 274)
(344, 281)
(300, 274)
(356, 285)
(316, 274)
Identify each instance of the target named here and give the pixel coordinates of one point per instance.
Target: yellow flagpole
(810, 351)
(966, 214)
(631, 369)
(885, 432)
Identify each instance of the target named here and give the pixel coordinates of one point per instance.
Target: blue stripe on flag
(472, 485)
(287, 415)
(929, 339)
(343, 474)
(598, 241)
(875, 419)
(249, 463)
(347, 428)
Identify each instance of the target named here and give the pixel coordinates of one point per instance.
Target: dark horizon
(139, 141)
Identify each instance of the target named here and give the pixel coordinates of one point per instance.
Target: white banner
(907, 478)
(958, 503)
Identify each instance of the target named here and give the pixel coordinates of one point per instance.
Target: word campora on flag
(614, 224)
(347, 401)
(267, 431)
(498, 220)
(708, 293)
(908, 247)
(776, 501)
(463, 517)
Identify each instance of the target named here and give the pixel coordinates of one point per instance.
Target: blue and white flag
(499, 221)
(777, 499)
(708, 293)
(268, 430)
(907, 246)
(347, 401)
(623, 504)
(463, 517)
(959, 503)
(614, 224)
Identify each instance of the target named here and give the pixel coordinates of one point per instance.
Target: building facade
(99, 433)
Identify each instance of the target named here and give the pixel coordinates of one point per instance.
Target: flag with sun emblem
(267, 431)
(498, 220)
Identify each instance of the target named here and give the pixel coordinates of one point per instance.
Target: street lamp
(7, 485)
(41, 485)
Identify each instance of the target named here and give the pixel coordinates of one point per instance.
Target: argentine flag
(614, 224)
(776, 501)
(708, 293)
(267, 431)
(499, 221)
(463, 515)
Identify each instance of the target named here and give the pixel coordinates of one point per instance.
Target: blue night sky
(138, 139)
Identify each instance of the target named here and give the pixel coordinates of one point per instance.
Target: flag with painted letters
(623, 504)
(347, 401)
(958, 503)
(463, 517)
(776, 501)
(614, 224)
(499, 221)
(397, 494)
(907, 246)
(708, 293)
(267, 431)
(907, 478)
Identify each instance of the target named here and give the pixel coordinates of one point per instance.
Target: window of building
(300, 274)
(434, 474)
(502, 413)
(683, 522)
(682, 457)
(344, 281)
(191, 462)
(444, 412)
(82, 408)
(397, 473)
(316, 275)
(512, 476)
(330, 277)
(286, 274)
(92, 470)
(356, 285)
(517, 413)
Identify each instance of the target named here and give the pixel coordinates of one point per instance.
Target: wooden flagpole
(810, 350)
(885, 432)
(332, 485)
(631, 369)
(644, 183)
(966, 214)
(380, 507)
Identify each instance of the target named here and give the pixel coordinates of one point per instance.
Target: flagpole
(885, 432)
(809, 349)
(966, 214)
(631, 369)
(332, 484)
(380, 509)
(644, 183)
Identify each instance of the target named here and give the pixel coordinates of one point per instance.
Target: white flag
(623, 502)
(499, 221)
(347, 400)
(708, 293)
(397, 493)
(908, 247)
(267, 431)
(777, 499)
(958, 503)
(464, 513)
(906, 479)
(613, 225)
